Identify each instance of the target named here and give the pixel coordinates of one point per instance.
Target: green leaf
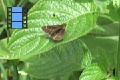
(3, 8)
(3, 71)
(108, 43)
(107, 59)
(87, 58)
(3, 49)
(112, 78)
(102, 4)
(59, 61)
(109, 30)
(114, 12)
(93, 72)
(10, 3)
(33, 1)
(79, 17)
(1, 30)
(104, 20)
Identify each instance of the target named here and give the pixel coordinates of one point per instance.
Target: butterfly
(56, 32)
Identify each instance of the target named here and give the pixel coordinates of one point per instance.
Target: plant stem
(73, 76)
(118, 56)
(20, 3)
(3, 5)
(3, 71)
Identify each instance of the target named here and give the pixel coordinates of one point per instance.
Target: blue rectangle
(16, 9)
(16, 24)
(16, 16)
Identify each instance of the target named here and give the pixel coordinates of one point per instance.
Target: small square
(16, 24)
(9, 9)
(9, 25)
(9, 17)
(17, 9)
(16, 16)
(24, 17)
(24, 22)
(9, 21)
(9, 13)
(24, 25)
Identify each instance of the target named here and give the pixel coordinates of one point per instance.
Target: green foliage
(88, 50)
(59, 61)
(38, 16)
(33, 1)
(93, 72)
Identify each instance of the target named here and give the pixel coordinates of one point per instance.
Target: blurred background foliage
(107, 25)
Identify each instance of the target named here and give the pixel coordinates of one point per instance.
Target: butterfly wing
(56, 32)
(58, 35)
(50, 29)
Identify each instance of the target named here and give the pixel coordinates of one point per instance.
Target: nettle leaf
(106, 58)
(1, 30)
(59, 61)
(108, 43)
(79, 17)
(33, 1)
(3, 48)
(87, 58)
(93, 72)
(112, 78)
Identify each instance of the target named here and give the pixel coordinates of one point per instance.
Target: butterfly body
(56, 32)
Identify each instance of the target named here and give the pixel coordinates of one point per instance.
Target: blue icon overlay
(16, 17)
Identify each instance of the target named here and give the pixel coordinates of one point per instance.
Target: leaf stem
(3, 5)
(22, 3)
(3, 71)
(73, 76)
(118, 57)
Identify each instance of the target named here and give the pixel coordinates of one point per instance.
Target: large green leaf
(79, 17)
(93, 72)
(58, 61)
